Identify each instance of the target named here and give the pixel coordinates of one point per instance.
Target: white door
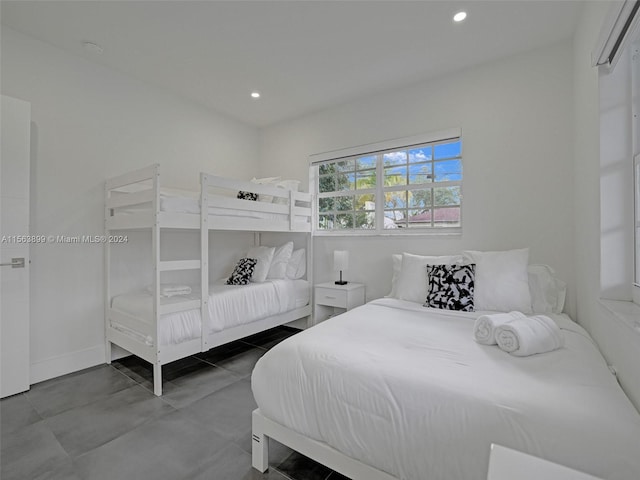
(15, 118)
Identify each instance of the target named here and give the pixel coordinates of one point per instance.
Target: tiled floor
(105, 422)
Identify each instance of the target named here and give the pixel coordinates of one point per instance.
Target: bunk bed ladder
(204, 261)
(107, 273)
(155, 252)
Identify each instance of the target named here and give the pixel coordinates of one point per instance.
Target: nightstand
(332, 299)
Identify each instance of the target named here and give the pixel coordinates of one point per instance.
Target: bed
(164, 328)
(394, 389)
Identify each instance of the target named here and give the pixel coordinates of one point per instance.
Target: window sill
(627, 312)
(391, 233)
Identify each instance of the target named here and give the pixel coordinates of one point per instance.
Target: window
(416, 187)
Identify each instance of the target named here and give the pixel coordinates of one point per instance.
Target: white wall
(90, 123)
(516, 118)
(619, 343)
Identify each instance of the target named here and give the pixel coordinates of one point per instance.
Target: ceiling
(302, 56)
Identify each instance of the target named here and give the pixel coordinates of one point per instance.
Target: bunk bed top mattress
(229, 306)
(184, 203)
(407, 390)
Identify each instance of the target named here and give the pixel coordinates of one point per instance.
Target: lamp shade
(340, 260)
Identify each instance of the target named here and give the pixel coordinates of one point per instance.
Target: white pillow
(264, 255)
(297, 266)
(280, 261)
(502, 282)
(286, 185)
(412, 282)
(547, 292)
(396, 259)
(265, 181)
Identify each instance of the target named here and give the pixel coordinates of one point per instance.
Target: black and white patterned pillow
(242, 273)
(247, 196)
(451, 287)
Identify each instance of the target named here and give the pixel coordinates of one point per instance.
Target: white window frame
(635, 123)
(376, 148)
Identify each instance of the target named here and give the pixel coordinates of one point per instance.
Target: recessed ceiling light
(93, 48)
(255, 94)
(460, 16)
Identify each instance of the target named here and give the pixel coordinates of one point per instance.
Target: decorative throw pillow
(451, 287)
(242, 195)
(243, 271)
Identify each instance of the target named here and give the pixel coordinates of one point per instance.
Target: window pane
(345, 181)
(327, 184)
(394, 158)
(446, 196)
(344, 220)
(446, 217)
(419, 218)
(325, 204)
(366, 202)
(345, 166)
(420, 173)
(395, 199)
(447, 150)
(327, 168)
(325, 221)
(343, 203)
(366, 179)
(395, 176)
(448, 171)
(420, 155)
(365, 220)
(389, 222)
(420, 199)
(399, 218)
(366, 162)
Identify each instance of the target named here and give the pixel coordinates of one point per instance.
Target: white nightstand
(331, 299)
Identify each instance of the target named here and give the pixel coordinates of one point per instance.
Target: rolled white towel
(484, 329)
(529, 336)
(170, 289)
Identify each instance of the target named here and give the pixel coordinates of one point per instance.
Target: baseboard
(68, 363)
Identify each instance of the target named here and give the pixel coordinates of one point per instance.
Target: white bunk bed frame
(157, 220)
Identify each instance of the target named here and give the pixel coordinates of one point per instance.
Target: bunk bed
(142, 322)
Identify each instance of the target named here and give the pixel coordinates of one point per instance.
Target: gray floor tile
(77, 389)
(239, 360)
(171, 447)
(17, 412)
(32, 452)
(187, 389)
(232, 463)
(227, 411)
(85, 428)
(299, 467)
(271, 337)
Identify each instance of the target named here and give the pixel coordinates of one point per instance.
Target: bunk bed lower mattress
(229, 306)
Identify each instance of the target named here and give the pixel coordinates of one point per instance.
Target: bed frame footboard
(264, 428)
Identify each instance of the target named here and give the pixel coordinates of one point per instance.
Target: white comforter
(407, 390)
